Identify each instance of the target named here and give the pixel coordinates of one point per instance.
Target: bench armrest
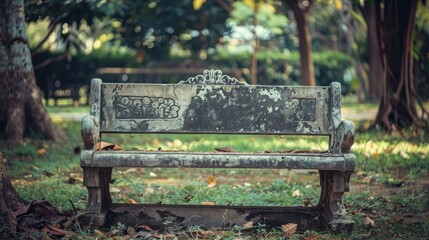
(343, 138)
(90, 132)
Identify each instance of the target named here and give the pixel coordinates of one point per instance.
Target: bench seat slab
(343, 162)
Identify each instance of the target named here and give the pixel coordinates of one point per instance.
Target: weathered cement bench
(213, 103)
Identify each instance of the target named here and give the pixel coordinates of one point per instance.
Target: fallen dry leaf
(411, 219)
(165, 236)
(41, 151)
(131, 231)
(296, 193)
(112, 233)
(107, 146)
(132, 201)
(248, 224)
(208, 203)
(211, 181)
(366, 221)
(144, 228)
(314, 237)
(225, 149)
(42, 207)
(98, 232)
(57, 231)
(289, 229)
(202, 234)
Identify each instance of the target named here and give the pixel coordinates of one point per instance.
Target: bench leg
(333, 214)
(96, 180)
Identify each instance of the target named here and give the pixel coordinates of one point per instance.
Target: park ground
(389, 195)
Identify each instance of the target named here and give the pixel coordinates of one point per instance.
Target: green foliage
(153, 26)
(325, 26)
(282, 68)
(269, 20)
(69, 17)
(80, 69)
(278, 68)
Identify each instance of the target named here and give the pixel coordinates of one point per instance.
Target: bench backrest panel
(205, 108)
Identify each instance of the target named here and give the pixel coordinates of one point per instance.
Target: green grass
(67, 109)
(57, 189)
(277, 192)
(359, 106)
(390, 184)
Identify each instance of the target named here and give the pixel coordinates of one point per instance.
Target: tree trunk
(397, 108)
(376, 75)
(300, 11)
(256, 45)
(346, 19)
(21, 109)
(9, 201)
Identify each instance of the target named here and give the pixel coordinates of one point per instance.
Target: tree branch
(49, 61)
(225, 6)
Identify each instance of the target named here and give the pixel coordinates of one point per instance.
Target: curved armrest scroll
(90, 132)
(343, 137)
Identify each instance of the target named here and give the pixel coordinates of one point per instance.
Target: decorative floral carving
(145, 107)
(212, 77)
(301, 109)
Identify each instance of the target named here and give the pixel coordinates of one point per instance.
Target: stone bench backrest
(218, 109)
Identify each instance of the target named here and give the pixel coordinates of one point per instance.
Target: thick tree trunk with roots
(21, 108)
(397, 105)
(300, 9)
(9, 201)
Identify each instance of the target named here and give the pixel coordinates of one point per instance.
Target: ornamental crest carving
(145, 107)
(212, 77)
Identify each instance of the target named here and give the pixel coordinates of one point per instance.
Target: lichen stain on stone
(212, 115)
(191, 113)
(228, 88)
(271, 93)
(203, 92)
(221, 94)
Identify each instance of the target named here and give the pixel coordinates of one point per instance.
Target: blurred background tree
(301, 10)
(259, 41)
(154, 28)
